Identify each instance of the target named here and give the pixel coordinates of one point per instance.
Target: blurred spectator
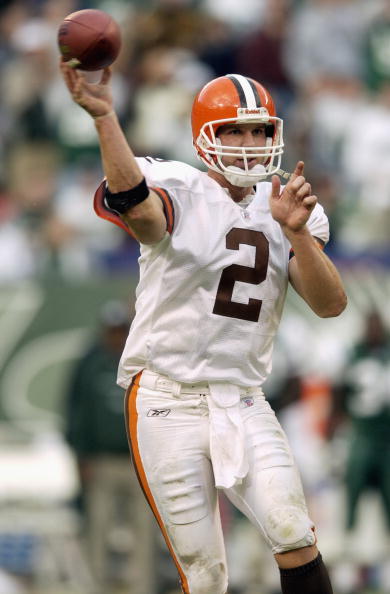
(323, 56)
(118, 524)
(166, 81)
(28, 72)
(377, 53)
(365, 162)
(218, 47)
(241, 16)
(169, 23)
(30, 181)
(16, 258)
(261, 54)
(332, 105)
(166, 73)
(326, 39)
(75, 243)
(362, 400)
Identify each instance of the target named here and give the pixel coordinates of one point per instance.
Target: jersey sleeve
(318, 224)
(176, 184)
(166, 178)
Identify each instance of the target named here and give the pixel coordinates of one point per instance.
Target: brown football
(89, 39)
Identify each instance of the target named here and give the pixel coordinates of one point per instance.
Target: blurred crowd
(326, 62)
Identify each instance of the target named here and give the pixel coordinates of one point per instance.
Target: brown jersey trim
(168, 207)
(131, 418)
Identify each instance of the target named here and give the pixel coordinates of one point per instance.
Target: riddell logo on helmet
(255, 112)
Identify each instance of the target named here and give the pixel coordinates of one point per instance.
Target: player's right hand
(96, 98)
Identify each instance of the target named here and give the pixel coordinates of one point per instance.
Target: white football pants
(175, 437)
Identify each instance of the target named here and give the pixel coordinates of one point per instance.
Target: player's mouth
(241, 163)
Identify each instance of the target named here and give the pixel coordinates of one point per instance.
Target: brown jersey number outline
(223, 305)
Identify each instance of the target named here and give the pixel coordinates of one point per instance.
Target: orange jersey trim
(131, 417)
(104, 213)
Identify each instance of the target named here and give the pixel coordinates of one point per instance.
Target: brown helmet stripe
(239, 90)
(255, 92)
(246, 89)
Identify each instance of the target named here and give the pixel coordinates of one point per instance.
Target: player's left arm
(311, 272)
(315, 278)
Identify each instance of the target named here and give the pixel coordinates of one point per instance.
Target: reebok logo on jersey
(248, 401)
(158, 412)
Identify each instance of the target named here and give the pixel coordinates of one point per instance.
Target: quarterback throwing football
(218, 249)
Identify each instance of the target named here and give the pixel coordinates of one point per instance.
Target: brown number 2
(224, 306)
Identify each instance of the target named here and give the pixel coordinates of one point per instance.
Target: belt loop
(176, 389)
(149, 379)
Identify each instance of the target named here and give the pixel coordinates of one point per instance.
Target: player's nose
(248, 138)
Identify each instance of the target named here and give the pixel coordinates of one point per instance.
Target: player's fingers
(77, 89)
(294, 185)
(299, 167)
(304, 190)
(275, 192)
(71, 74)
(67, 75)
(310, 201)
(106, 76)
(65, 66)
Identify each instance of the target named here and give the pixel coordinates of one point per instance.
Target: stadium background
(327, 63)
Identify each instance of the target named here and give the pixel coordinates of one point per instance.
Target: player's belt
(156, 381)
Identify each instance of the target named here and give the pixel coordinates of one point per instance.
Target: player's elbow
(333, 307)
(148, 226)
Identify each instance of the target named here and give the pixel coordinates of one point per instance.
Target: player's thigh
(170, 452)
(271, 495)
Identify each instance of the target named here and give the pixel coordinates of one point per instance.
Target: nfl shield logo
(248, 401)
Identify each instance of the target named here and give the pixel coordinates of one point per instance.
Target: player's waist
(159, 382)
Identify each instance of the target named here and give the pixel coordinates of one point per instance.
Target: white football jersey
(211, 293)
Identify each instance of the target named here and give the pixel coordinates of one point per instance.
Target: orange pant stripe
(131, 426)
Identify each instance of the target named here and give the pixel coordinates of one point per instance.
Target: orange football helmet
(241, 100)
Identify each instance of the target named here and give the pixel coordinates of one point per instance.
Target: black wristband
(120, 202)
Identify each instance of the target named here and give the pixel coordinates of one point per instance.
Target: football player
(218, 249)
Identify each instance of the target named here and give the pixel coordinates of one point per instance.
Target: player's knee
(204, 579)
(289, 528)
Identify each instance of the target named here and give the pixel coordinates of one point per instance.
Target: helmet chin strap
(237, 177)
